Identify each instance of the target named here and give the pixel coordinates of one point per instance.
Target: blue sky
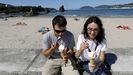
(68, 4)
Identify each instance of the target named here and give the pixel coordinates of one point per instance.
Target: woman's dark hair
(59, 20)
(101, 34)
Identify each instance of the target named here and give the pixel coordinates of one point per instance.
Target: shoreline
(74, 15)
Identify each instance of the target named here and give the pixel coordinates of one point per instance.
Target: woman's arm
(78, 53)
(101, 58)
(102, 53)
(83, 46)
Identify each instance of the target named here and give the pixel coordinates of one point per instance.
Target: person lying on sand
(20, 23)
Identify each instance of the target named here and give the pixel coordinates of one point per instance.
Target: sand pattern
(27, 36)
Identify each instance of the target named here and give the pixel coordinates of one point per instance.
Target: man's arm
(49, 51)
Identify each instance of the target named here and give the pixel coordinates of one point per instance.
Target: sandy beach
(27, 35)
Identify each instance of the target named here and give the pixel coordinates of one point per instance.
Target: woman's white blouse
(84, 56)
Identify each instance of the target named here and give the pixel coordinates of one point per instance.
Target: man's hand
(54, 45)
(64, 57)
(50, 50)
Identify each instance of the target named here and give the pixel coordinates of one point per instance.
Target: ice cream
(91, 54)
(92, 58)
(61, 48)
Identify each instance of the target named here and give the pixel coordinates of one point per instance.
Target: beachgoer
(42, 29)
(91, 46)
(123, 27)
(20, 23)
(46, 29)
(24, 23)
(57, 46)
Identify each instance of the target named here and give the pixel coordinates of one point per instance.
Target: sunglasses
(59, 31)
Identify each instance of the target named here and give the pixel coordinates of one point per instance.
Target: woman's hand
(91, 67)
(84, 45)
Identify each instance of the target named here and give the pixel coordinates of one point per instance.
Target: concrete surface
(29, 62)
(121, 61)
(17, 61)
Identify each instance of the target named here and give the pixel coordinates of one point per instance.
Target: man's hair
(59, 20)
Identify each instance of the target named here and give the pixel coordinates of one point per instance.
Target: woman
(91, 45)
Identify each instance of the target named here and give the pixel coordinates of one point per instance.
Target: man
(57, 46)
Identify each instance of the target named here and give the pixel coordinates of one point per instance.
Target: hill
(86, 7)
(119, 6)
(24, 10)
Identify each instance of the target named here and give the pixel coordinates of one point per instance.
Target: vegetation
(25, 10)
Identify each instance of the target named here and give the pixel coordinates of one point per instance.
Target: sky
(68, 4)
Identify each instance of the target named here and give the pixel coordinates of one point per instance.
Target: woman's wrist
(93, 65)
(81, 48)
(80, 51)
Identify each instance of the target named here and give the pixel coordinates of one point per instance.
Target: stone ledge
(29, 61)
